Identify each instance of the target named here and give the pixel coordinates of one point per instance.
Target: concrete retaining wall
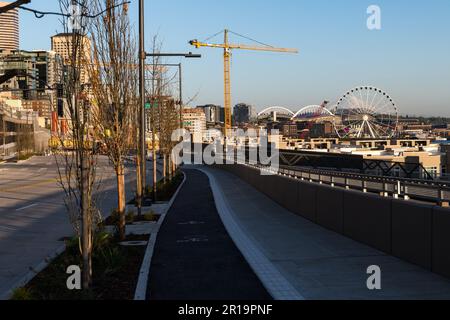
(415, 232)
(367, 219)
(441, 241)
(411, 232)
(330, 208)
(307, 195)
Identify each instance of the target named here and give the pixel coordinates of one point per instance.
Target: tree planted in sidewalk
(113, 77)
(76, 157)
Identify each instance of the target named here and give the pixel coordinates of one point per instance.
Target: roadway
(33, 218)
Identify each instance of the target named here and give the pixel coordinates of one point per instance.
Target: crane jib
(227, 79)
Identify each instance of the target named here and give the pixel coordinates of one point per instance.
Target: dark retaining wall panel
(288, 193)
(253, 177)
(330, 208)
(411, 232)
(441, 241)
(367, 218)
(307, 193)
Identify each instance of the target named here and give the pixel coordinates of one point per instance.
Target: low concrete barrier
(441, 241)
(367, 219)
(307, 195)
(290, 199)
(415, 232)
(411, 232)
(330, 208)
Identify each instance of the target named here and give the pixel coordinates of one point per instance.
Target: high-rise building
(49, 67)
(62, 45)
(214, 114)
(194, 121)
(9, 29)
(39, 72)
(243, 113)
(37, 75)
(24, 85)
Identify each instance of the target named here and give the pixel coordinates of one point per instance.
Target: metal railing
(400, 188)
(19, 115)
(426, 190)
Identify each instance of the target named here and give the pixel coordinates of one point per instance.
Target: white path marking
(27, 207)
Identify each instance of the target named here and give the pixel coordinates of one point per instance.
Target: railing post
(406, 197)
(385, 193)
(442, 202)
(399, 190)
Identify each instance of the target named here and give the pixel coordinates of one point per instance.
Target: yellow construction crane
(226, 58)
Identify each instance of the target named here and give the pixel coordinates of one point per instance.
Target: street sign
(148, 105)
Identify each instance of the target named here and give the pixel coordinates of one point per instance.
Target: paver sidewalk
(320, 264)
(194, 257)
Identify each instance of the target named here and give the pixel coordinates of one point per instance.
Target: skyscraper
(243, 113)
(62, 45)
(9, 29)
(214, 114)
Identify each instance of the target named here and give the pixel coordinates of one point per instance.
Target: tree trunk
(139, 188)
(86, 227)
(174, 166)
(165, 168)
(170, 167)
(155, 173)
(121, 200)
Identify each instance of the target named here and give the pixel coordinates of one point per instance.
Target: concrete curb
(141, 287)
(275, 283)
(33, 272)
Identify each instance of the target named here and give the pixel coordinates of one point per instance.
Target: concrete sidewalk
(320, 264)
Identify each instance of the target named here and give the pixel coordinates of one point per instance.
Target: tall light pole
(142, 129)
(180, 81)
(185, 55)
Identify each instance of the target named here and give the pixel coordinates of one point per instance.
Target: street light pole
(142, 58)
(159, 54)
(181, 95)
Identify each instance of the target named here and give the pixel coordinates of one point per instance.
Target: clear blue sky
(409, 58)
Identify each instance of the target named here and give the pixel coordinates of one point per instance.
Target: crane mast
(227, 48)
(227, 84)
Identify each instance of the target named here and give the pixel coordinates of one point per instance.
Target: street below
(33, 217)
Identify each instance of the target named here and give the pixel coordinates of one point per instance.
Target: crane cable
(213, 36)
(239, 35)
(248, 38)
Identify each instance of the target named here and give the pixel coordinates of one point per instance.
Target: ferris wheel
(366, 112)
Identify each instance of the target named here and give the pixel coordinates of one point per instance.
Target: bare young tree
(164, 114)
(24, 140)
(168, 121)
(113, 76)
(76, 159)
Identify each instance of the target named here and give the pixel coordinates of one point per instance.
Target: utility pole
(142, 149)
(181, 95)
